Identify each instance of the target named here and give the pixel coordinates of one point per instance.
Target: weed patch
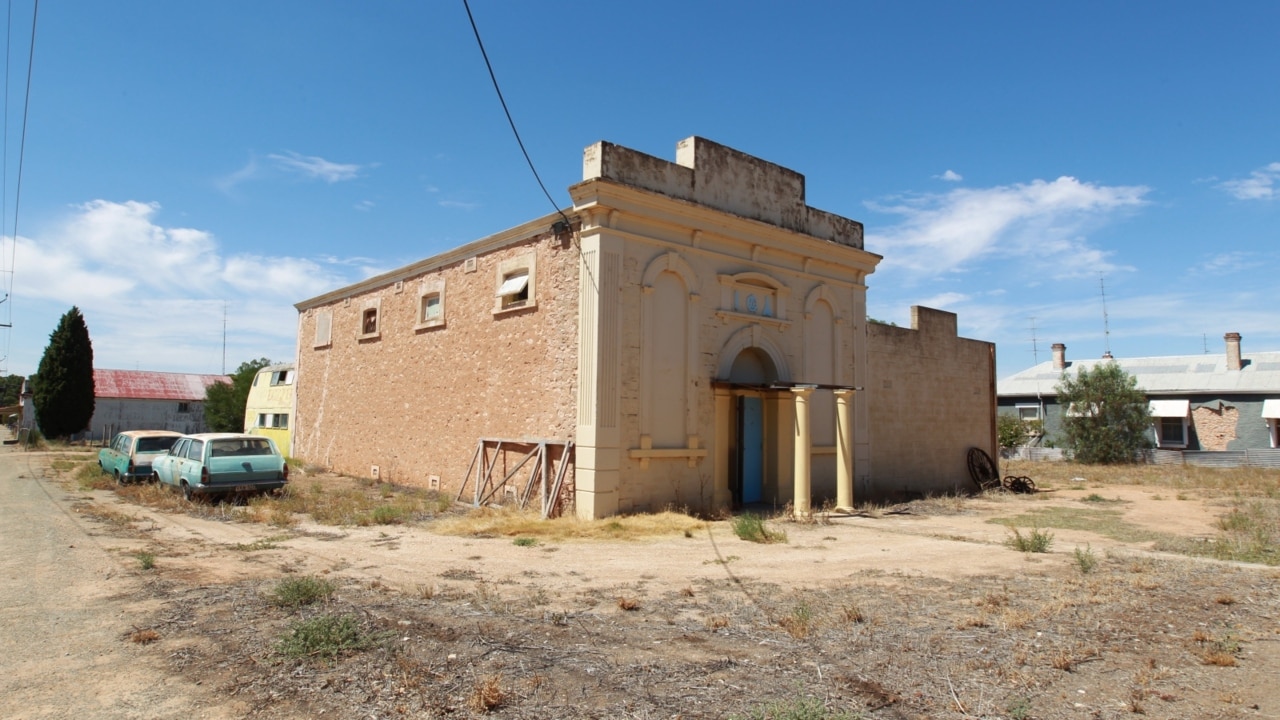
(752, 528)
(146, 559)
(299, 591)
(1036, 541)
(802, 709)
(327, 636)
(1086, 561)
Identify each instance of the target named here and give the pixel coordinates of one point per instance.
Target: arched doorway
(751, 367)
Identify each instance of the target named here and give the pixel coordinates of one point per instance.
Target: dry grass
(513, 522)
(628, 603)
(144, 636)
(1255, 482)
(487, 695)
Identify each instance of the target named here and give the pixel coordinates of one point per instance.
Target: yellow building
(270, 405)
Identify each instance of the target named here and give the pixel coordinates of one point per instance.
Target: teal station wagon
(218, 463)
(130, 453)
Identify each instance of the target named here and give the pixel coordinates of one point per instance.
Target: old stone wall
(932, 396)
(414, 398)
(1215, 425)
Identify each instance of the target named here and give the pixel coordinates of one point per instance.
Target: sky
(191, 170)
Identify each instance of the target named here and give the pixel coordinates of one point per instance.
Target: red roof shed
(146, 385)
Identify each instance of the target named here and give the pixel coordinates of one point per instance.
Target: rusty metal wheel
(982, 470)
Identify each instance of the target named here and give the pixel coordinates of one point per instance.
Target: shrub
(1086, 560)
(299, 591)
(325, 636)
(751, 527)
(1037, 541)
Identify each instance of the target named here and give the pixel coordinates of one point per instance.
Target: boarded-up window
(324, 327)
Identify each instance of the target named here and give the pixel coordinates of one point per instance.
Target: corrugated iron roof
(1171, 374)
(147, 385)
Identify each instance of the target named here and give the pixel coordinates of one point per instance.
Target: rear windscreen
(155, 444)
(241, 446)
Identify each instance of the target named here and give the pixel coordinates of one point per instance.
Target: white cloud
(364, 205)
(228, 183)
(1225, 263)
(1040, 222)
(154, 295)
(1260, 185)
(950, 176)
(316, 167)
(459, 204)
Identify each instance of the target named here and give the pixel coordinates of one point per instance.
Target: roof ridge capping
(717, 176)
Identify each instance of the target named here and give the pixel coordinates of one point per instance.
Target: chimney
(1059, 356)
(1233, 350)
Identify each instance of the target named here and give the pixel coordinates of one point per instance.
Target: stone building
(1227, 401)
(687, 334)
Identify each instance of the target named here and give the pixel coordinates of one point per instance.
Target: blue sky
(182, 158)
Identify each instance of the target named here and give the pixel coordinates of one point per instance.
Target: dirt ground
(919, 611)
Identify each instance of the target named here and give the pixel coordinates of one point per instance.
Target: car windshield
(155, 444)
(241, 446)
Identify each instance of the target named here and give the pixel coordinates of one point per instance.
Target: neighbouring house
(687, 334)
(270, 405)
(1228, 401)
(145, 400)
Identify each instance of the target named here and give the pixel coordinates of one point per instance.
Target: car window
(179, 448)
(125, 443)
(155, 444)
(240, 446)
(115, 442)
(195, 451)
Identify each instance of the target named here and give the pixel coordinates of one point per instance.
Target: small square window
(369, 322)
(516, 283)
(184, 407)
(1173, 432)
(430, 308)
(264, 420)
(1028, 412)
(515, 289)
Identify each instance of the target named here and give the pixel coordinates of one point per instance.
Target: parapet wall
(716, 176)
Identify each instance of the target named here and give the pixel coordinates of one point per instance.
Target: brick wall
(932, 397)
(414, 401)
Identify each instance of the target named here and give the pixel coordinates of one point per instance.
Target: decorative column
(804, 451)
(844, 450)
(721, 497)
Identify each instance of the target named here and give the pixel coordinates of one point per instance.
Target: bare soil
(916, 611)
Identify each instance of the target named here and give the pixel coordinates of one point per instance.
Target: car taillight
(129, 469)
(204, 476)
(284, 472)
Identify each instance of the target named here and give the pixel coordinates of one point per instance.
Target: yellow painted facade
(269, 410)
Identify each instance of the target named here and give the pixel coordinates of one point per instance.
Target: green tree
(1010, 431)
(63, 389)
(1107, 417)
(10, 390)
(224, 404)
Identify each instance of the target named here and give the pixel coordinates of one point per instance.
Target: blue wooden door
(751, 448)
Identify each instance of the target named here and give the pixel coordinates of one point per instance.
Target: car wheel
(186, 492)
(155, 478)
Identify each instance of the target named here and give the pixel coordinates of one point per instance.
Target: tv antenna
(1035, 350)
(1106, 322)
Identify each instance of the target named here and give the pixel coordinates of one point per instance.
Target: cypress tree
(63, 386)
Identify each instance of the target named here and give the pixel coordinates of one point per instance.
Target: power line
(510, 121)
(22, 155)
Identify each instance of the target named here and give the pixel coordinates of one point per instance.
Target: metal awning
(1271, 408)
(1170, 408)
(513, 285)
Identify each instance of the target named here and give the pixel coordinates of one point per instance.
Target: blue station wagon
(130, 453)
(219, 463)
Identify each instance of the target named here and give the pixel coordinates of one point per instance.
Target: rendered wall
(932, 396)
(414, 401)
(688, 245)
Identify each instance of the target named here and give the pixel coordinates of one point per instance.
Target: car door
(192, 462)
(166, 466)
